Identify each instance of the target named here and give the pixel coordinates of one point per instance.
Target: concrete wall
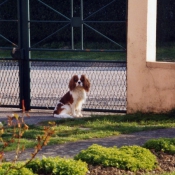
(150, 84)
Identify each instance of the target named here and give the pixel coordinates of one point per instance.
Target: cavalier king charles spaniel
(71, 103)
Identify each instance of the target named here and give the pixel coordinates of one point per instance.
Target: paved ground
(71, 149)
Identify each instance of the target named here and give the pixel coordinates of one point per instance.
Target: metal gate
(54, 41)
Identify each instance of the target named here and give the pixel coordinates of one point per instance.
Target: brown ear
(72, 84)
(86, 83)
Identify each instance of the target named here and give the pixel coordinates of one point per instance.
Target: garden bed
(166, 163)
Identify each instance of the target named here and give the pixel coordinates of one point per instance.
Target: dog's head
(81, 81)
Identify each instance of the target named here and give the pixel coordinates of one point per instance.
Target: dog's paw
(77, 116)
(62, 116)
(80, 115)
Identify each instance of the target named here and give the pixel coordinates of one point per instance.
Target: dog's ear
(86, 83)
(72, 84)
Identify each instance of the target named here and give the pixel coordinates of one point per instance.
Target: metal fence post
(24, 44)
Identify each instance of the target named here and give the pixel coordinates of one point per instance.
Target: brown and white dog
(71, 103)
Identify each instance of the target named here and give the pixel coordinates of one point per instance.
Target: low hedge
(23, 171)
(132, 158)
(162, 144)
(47, 166)
(58, 166)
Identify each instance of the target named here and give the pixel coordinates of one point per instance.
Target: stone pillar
(150, 84)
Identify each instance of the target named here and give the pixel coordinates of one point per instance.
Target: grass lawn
(166, 53)
(72, 130)
(55, 55)
(163, 53)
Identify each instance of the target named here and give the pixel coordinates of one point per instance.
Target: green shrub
(23, 171)
(127, 157)
(58, 166)
(34, 165)
(163, 144)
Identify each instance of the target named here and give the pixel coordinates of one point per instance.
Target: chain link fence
(63, 35)
(49, 82)
(9, 83)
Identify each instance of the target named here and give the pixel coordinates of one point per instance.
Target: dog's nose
(79, 82)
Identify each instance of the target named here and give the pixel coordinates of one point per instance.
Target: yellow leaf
(38, 139)
(26, 127)
(38, 146)
(1, 155)
(1, 139)
(19, 125)
(1, 125)
(16, 116)
(23, 148)
(1, 131)
(51, 123)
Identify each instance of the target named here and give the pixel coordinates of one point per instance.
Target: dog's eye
(75, 79)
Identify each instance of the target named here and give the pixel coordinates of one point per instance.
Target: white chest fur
(79, 97)
(78, 94)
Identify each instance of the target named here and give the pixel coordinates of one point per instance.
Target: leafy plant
(163, 144)
(127, 157)
(58, 166)
(22, 171)
(71, 130)
(19, 128)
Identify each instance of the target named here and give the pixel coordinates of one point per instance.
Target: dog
(70, 105)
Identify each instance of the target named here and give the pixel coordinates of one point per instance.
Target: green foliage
(58, 166)
(165, 53)
(77, 55)
(127, 157)
(34, 165)
(17, 127)
(163, 144)
(71, 130)
(23, 171)
(47, 166)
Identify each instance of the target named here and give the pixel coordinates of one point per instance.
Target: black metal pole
(24, 43)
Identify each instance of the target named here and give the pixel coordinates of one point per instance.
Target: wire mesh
(49, 82)
(9, 83)
(49, 78)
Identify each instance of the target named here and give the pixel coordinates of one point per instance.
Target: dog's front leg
(73, 110)
(78, 109)
(79, 114)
